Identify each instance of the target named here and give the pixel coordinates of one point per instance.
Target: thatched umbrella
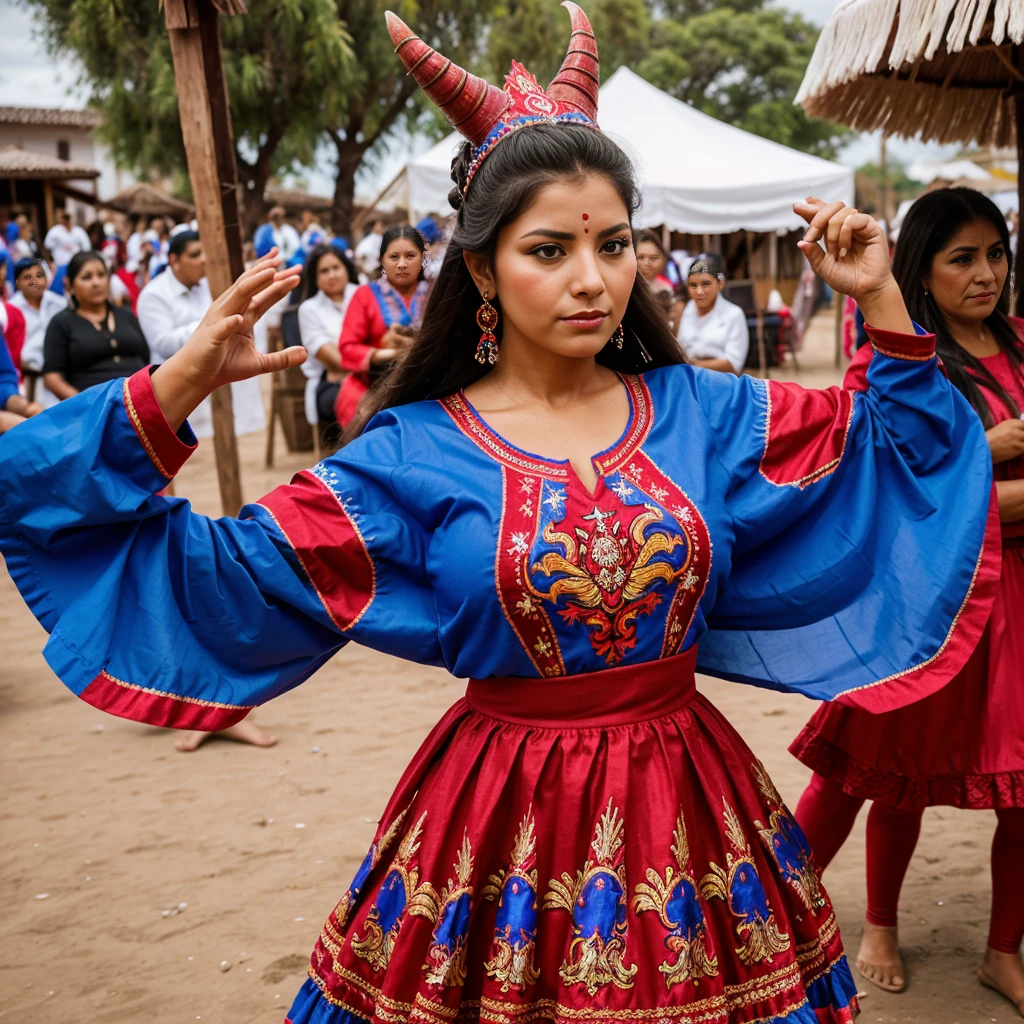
(151, 201)
(947, 70)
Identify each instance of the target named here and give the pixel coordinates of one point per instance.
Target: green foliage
(280, 60)
(743, 64)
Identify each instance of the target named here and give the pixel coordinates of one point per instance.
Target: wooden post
(773, 258)
(206, 129)
(48, 209)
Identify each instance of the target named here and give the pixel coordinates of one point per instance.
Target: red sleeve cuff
(167, 450)
(915, 347)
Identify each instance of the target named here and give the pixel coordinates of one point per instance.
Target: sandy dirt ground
(141, 884)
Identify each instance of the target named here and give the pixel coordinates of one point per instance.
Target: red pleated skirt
(593, 848)
(963, 746)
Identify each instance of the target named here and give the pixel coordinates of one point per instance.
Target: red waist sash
(613, 696)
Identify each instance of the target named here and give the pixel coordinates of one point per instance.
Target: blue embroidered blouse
(825, 542)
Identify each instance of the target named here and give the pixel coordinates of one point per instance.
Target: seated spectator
(63, 241)
(713, 331)
(330, 280)
(14, 408)
(38, 306)
(93, 341)
(653, 264)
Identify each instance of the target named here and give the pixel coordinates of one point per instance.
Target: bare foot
(1004, 972)
(879, 960)
(244, 732)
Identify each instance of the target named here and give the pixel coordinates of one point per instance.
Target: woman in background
(382, 316)
(963, 746)
(330, 282)
(38, 306)
(94, 341)
(713, 330)
(652, 262)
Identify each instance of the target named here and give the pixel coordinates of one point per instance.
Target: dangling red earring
(618, 337)
(487, 320)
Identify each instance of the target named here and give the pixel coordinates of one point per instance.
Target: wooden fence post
(209, 148)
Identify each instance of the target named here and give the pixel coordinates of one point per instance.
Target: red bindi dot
(586, 216)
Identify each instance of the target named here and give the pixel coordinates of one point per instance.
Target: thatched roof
(942, 69)
(17, 163)
(143, 198)
(294, 200)
(52, 117)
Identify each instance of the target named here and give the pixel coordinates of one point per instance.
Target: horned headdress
(485, 114)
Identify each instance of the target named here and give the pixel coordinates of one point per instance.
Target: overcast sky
(29, 77)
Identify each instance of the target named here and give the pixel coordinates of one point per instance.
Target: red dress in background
(14, 334)
(964, 745)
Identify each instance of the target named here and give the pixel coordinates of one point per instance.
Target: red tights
(826, 814)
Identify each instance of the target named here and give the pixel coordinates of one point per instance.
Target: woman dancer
(382, 316)
(965, 745)
(582, 837)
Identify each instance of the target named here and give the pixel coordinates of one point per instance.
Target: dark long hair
(929, 225)
(441, 359)
(312, 268)
(407, 232)
(77, 264)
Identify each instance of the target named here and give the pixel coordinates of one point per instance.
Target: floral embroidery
(446, 957)
(399, 893)
(515, 926)
(608, 563)
(596, 898)
(787, 844)
(739, 885)
(673, 897)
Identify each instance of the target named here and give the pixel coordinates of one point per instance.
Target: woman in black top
(94, 341)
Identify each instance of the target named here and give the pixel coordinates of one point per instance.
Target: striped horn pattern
(576, 83)
(472, 105)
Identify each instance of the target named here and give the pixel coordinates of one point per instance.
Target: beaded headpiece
(485, 114)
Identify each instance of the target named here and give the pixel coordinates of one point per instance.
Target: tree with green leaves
(281, 60)
(738, 60)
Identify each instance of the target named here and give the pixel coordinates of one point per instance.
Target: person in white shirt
(38, 305)
(286, 238)
(713, 331)
(367, 254)
(64, 240)
(329, 281)
(169, 310)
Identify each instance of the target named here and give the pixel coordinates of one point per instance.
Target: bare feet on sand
(1005, 973)
(244, 732)
(879, 960)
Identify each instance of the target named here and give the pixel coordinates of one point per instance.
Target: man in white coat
(170, 308)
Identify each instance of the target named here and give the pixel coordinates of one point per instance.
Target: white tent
(699, 175)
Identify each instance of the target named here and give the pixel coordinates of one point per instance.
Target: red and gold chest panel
(616, 569)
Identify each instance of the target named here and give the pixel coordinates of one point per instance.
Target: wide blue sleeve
(165, 616)
(864, 548)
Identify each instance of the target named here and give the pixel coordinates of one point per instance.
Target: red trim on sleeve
(915, 347)
(155, 707)
(327, 541)
(805, 433)
(166, 450)
(964, 634)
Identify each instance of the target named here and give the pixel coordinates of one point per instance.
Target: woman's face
(91, 287)
(32, 283)
(331, 276)
(649, 261)
(564, 269)
(967, 275)
(704, 289)
(402, 262)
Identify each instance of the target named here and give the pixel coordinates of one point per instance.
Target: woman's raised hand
(222, 348)
(854, 261)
